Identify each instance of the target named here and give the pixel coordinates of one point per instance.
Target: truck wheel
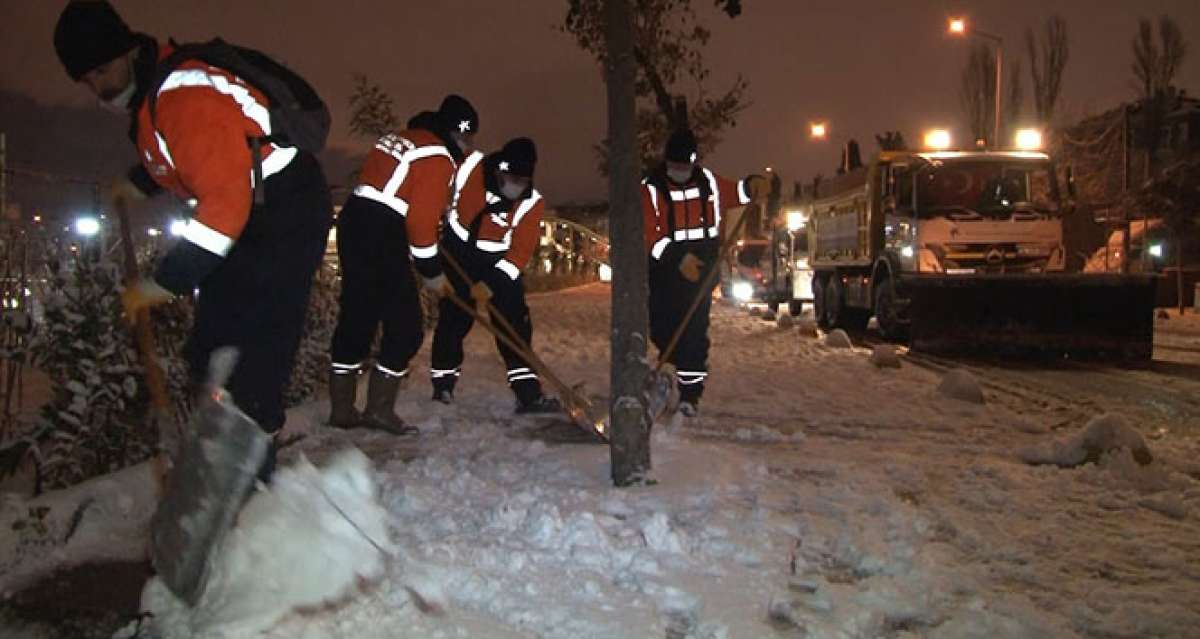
(795, 307)
(839, 315)
(834, 303)
(892, 325)
(819, 306)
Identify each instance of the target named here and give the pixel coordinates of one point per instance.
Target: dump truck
(953, 250)
(769, 264)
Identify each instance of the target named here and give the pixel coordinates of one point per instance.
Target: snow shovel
(581, 411)
(143, 333)
(216, 468)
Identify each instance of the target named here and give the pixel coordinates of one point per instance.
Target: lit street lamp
(818, 130)
(958, 26)
(87, 226)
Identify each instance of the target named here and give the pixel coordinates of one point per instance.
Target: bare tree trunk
(630, 432)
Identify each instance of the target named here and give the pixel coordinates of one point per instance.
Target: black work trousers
(256, 300)
(508, 298)
(670, 297)
(378, 287)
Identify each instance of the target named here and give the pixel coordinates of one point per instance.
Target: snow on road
(815, 494)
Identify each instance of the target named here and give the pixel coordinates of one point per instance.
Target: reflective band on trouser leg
(346, 369)
(687, 378)
(423, 252)
(389, 372)
(518, 374)
(439, 373)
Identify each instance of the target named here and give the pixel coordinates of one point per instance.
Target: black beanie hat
(458, 115)
(90, 33)
(519, 156)
(681, 147)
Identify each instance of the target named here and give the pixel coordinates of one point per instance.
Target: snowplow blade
(1097, 316)
(216, 468)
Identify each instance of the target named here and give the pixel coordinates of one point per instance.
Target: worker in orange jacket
(684, 205)
(251, 264)
(491, 231)
(403, 191)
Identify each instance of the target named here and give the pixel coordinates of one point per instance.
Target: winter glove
(439, 286)
(690, 267)
(758, 187)
(144, 294)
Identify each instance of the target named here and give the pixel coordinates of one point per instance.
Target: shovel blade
(215, 470)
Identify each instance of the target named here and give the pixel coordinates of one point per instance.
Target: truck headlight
(802, 263)
(743, 291)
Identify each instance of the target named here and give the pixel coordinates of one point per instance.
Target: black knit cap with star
(89, 33)
(458, 115)
(518, 156)
(681, 146)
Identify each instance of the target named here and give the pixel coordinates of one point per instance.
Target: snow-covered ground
(816, 495)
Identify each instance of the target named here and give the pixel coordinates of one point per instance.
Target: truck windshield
(987, 189)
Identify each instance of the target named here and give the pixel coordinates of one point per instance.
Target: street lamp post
(958, 26)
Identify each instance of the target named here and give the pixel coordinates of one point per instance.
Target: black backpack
(299, 117)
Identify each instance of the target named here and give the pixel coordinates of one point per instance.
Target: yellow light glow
(796, 220)
(958, 26)
(818, 130)
(937, 139)
(1029, 139)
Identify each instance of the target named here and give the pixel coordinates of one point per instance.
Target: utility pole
(3, 174)
(1126, 225)
(629, 435)
(958, 26)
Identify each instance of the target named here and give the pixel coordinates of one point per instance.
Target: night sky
(865, 66)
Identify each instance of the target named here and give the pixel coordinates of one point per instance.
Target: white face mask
(511, 190)
(119, 103)
(463, 142)
(679, 177)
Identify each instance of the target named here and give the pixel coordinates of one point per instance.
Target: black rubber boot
(381, 401)
(342, 393)
(542, 405)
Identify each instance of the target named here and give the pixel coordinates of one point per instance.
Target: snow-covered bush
(312, 358)
(95, 422)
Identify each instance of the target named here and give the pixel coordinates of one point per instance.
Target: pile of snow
(313, 539)
(785, 320)
(961, 385)
(807, 328)
(837, 338)
(102, 519)
(1103, 435)
(884, 356)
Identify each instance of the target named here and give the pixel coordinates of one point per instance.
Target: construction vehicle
(770, 265)
(964, 249)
